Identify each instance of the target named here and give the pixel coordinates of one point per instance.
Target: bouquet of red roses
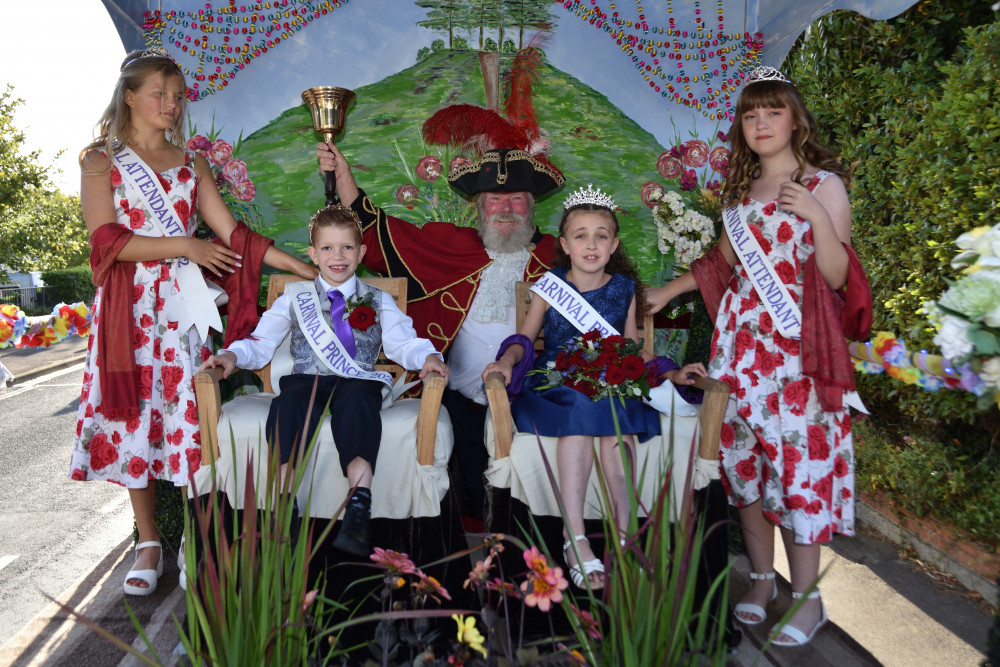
(600, 367)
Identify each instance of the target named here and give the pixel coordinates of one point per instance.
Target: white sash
(568, 303)
(322, 339)
(195, 305)
(571, 305)
(777, 300)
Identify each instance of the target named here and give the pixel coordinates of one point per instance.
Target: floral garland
(212, 45)
(699, 68)
(887, 354)
(18, 330)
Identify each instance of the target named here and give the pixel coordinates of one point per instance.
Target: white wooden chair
(411, 472)
(516, 461)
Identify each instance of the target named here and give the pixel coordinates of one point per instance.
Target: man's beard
(513, 241)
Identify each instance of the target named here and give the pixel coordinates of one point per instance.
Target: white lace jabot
(495, 296)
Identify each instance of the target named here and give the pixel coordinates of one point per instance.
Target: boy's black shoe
(355, 530)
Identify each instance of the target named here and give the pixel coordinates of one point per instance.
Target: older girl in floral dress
(137, 419)
(786, 442)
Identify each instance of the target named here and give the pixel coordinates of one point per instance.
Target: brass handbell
(328, 105)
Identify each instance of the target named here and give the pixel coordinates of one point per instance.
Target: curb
(47, 368)
(870, 514)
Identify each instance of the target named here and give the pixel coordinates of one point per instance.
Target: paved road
(52, 530)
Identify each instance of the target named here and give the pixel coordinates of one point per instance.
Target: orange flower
(429, 587)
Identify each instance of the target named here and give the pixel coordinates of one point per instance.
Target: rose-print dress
(163, 443)
(778, 445)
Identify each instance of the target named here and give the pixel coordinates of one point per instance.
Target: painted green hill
(593, 142)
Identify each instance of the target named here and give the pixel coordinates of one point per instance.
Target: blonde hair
(744, 164)
(116, 122)
(339, 217)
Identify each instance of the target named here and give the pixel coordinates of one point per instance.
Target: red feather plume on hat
(471, 127)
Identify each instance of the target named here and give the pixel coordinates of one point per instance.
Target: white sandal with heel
(756, 609)
(799, 638)
(149, 576)
(581, 572)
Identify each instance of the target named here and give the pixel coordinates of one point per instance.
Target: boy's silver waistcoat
(368, 343)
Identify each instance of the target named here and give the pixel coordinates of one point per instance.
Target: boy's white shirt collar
(347, 288)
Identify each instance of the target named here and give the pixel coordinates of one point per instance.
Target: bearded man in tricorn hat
(462, 280)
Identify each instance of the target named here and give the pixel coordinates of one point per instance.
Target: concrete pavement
(883, 607)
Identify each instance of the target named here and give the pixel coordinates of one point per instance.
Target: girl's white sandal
(797, 637)
(756, 609)
(149, 576)
(580, 572)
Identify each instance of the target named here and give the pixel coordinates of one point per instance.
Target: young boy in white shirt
(337, 323)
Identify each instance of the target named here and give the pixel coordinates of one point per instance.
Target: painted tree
(446, 15)
(525, 15)
(485, 15)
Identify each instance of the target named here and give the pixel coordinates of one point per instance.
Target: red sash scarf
(115, 353)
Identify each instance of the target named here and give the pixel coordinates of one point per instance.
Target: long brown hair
(744, 164)
(116, 122)
(619, 262)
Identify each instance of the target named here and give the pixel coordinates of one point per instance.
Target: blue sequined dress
(562, 411)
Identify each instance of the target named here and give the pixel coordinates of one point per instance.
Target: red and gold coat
(442, 262)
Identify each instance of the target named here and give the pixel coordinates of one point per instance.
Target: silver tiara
(589, 196)
(766, 73)
(151, 52)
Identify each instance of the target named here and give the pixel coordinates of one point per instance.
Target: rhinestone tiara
(766, 73)
(151, 52)
(589, 196)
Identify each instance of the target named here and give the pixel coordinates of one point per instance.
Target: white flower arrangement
(967, 315)
(681, 229)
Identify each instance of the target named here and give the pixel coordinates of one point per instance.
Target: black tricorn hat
(506, 170)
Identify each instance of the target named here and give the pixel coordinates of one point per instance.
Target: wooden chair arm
(430, 407)
(503, 432)
(209, 399)
(713, 410)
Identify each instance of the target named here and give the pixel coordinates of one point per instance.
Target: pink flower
(235, 171)
(220, 153)
(429, 168)
(497, 584)
(393, 561)
(479, 573)
(695, 153)
(200, 144)
(718, 159)
(542, 591)
(536, 562)
(587, 622)
(407, 195)
(429, 587)
(309, 598)
(245, 190)
(689, 180)
(668, 165)
(456, 162)
(650, 193)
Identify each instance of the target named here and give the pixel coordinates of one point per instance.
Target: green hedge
(913, 104)
(72, 285)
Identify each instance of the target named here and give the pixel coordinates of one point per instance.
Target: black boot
(354, 536)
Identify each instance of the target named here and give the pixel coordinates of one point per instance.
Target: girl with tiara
(141, 194)
(779, 343)
(591, 263)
